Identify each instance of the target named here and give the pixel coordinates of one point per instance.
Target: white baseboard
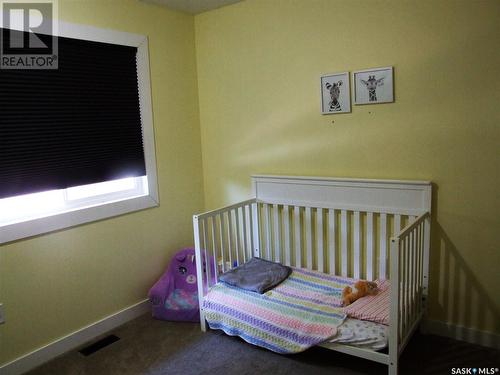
(470, 335)
(73, 340)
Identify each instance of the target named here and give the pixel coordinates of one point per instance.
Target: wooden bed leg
(393, 367)
(203, 323)
(393, 356)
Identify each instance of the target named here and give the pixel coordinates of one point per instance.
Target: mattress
(303, 311)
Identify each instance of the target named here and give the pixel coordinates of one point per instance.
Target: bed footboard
(226, 237)
(409, 284)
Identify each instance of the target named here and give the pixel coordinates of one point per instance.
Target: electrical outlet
(2, 314)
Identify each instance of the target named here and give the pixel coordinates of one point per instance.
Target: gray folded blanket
(257, 275)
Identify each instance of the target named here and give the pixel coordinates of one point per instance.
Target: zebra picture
(373, 86)
(334, 89)
(335, 93)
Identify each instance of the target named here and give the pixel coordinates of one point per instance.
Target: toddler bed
(332, 229)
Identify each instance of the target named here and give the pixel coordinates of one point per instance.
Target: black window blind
(77, 125)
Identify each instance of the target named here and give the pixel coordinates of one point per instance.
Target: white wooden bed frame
(341, 226)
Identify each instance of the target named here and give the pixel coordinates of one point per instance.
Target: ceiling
(193, 6)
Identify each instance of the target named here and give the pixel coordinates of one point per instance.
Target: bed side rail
(409, 281)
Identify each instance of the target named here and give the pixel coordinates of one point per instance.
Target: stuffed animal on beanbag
(360, 289)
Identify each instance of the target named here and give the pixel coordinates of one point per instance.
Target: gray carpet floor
(153, 347)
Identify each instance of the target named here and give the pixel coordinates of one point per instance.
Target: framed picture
(335, 93)
(373, 86)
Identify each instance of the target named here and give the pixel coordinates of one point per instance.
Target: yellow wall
(57, 283)
(259, 64)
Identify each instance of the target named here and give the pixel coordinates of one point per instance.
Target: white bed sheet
(362, 334)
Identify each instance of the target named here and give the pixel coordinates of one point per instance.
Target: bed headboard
(389, 196)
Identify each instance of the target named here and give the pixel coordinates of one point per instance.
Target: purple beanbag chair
(175, 294)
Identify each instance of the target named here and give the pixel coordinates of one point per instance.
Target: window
(71, 157)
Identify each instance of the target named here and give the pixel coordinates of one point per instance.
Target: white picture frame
(335, 93)
(373, 86)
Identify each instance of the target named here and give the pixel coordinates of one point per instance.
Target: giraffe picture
(335, 93)
(373, 86)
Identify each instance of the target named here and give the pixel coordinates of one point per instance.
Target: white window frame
(57, 221)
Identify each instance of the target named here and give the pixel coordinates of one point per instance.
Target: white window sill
(29, 228)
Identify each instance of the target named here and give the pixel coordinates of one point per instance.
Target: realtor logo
(28, 30)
